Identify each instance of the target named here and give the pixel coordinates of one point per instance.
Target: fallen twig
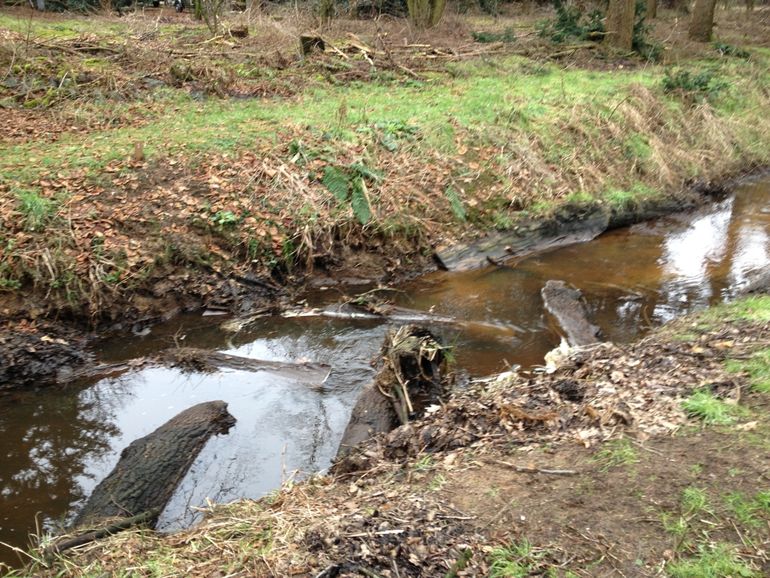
(533, 470)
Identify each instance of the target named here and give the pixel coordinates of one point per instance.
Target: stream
(57, 444)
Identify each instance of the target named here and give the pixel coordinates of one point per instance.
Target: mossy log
(410, 379)
(151, 467)
(565, 303)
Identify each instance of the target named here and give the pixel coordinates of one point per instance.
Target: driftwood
(565, 304)
(409, 380)
(151, 467)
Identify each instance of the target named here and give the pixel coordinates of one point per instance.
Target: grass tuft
(616, 453)
(702, 404)
(719, 561)
(757, 368)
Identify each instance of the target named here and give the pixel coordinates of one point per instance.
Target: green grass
(749, 510)
(757, 368)
(616, 453)
(703, 405)
(718, 561)
(694, 501)
(35, 210)
(518, 560)
(755, 308)
(489, 99)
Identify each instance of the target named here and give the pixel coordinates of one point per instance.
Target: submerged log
(408, 381)
(151, 467)
(202, 360)
(565, 303)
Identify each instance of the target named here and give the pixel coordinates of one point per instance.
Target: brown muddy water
(57, 444)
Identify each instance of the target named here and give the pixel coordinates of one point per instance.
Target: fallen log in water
(577, 226)
(565, 303)
(408, 381)
(375, 310)
(151, 467)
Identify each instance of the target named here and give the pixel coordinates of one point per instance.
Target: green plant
(569, 23)
(456, 204)
(747, 510)
(730, 50)
(437, 482)
(506, 36)
(640, 42)
(389, 133)
(424, 464)
(349, 184)
(702, 404)
(616, 453)
(224, 219)
(36, 210)
(718, 561)
(695, 86)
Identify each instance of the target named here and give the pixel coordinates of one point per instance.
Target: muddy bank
(52, 354)
(39, 353)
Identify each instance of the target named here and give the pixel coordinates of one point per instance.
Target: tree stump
(409, 380)
(310, 42)
(151, 467)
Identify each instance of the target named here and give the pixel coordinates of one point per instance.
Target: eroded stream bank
(57, 444)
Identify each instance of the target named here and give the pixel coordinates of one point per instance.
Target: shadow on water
(58, 443)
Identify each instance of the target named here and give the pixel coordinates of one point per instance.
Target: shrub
(695, 86)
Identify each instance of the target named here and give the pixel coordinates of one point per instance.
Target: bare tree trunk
(620, 24)
(750, 5)
(702, 20)
(652, 9)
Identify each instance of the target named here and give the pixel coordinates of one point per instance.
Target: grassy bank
(153, 153)
(649, 460)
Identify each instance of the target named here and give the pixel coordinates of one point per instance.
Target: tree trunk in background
(702, 20)
(40, 5)
(620, 24)
(750, 5)
(652, 9)
(425, 13)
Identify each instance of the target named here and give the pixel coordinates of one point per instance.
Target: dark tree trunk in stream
(151, 467)
(409, 380)
(565, 304)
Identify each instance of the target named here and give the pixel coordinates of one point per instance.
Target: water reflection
(56, 445)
